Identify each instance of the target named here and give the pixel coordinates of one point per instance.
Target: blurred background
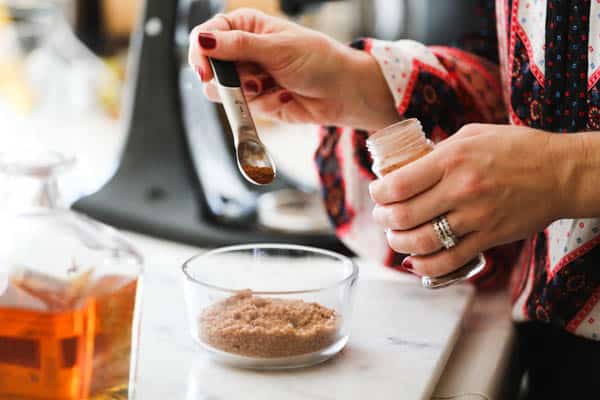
(107, 82)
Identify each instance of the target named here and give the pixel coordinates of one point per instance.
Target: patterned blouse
(539, 66)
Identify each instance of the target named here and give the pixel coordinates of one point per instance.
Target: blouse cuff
(401, 62)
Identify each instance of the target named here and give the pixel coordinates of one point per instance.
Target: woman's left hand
(495, 184)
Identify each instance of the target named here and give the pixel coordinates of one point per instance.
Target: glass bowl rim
(281, 246)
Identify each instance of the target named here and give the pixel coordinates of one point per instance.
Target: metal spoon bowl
(255, 163)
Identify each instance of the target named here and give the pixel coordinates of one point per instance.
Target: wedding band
(444, 233)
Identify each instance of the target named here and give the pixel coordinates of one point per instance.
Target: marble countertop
(483, 364)
(401, 338)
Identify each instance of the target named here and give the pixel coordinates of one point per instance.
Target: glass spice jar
(396, 146)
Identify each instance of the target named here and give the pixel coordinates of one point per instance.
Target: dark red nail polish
(286, 97)
(268, 83)
(407, 265)
(251, 87)
(207, 40)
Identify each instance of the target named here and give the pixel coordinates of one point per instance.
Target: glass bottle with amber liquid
(69, 293)
(396, 146)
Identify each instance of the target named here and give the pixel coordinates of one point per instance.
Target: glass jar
(69, 293)
(55, 94)
(398, 145)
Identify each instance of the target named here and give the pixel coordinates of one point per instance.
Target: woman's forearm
(578, 158)
(370, 105)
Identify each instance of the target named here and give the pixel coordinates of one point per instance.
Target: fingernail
(200, 73)
(268, 83)
(251, 87)
(207, 40)
(407, 265)
(286, 97)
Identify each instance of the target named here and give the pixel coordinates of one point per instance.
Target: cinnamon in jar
(397, 145)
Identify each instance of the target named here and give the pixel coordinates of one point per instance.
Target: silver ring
(444, 233)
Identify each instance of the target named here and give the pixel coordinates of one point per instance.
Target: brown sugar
(255, 326)
(261, 175)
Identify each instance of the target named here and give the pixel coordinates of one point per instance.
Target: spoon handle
(225, 73)
(236, 107)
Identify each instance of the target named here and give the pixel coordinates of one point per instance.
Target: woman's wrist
(370, 104)
(576, 160)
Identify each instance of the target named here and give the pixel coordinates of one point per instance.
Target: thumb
(236, 45)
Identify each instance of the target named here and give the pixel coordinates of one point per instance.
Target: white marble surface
(401, 338)
(482, 364)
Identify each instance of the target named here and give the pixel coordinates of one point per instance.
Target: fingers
(254, 87)
(211, 92)
(415, 211)
(249, 38)
(423, 240)
(250, 78)
(421, 174)
(467, 131)
(446, 261)
(255, 81)
(271, 103)
(233, 45)
(408, 180)
(195, 59)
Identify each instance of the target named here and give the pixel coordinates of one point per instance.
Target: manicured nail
(407, 265)
(286, 97)
(251, 87)
(268, 83)
(207, 40)
(200, 73)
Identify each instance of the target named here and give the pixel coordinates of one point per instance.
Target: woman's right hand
(293, 74)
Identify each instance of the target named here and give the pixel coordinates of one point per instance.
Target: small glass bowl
(283, 274)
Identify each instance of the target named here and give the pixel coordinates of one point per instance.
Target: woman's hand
(495, 183)
(292, 73)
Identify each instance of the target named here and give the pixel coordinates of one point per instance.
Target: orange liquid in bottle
(58, 345)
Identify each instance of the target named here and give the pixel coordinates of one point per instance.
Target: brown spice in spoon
(261, 175)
